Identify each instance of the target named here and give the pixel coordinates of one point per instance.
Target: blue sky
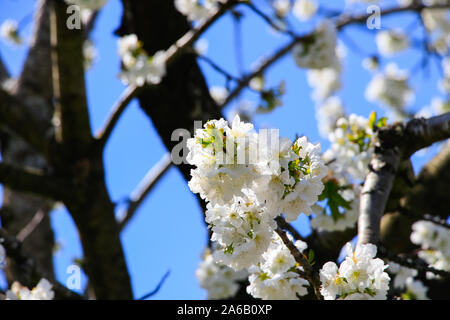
(168, 232)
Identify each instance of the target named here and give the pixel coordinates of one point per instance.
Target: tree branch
(392, 145)
(31, 180)
(73, 129)
(157, 288)
(311, 275)
(138, 196)
(114, 116)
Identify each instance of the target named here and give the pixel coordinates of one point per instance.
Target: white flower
(248, 179)
(360, 276)
(319, 51)
(401, 274)
(201, 46)
(304, 9)
(405, 3)
(220, 281)
(390, 42)
(415, 290)
(89, 53)
(282, 7)
(219, 94)
(257, 83)
(43, 291)
(139, 67)
(194, 10)
(351, 150)
(275, 277)
(444, 84)
(390, 88)
(437, 23)
(327, 115)
(9, 30)
(243, 232)
(431, 236)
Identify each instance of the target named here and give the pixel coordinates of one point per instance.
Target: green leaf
(311, 256)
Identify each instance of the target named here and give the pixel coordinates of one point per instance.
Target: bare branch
(138, 196)
(31, 226)
(158, 287)
(114, 116)
(268, 20)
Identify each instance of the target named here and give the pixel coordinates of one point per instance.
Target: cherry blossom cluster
(435, 244)
(347, 158)
(301, 9)
(437, 24)
(139, 67)
(248, 179)
(276, 276)
(391, 89)
(220, 281)
(326, 81)
(196, 10)
(391, 42)
(318, 51)
(360, 276)
(351, 147)
(42, 291)
(410, 288)
(444, 84)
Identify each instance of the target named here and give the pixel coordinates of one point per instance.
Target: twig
(218, 68)
(311, 275)
(268, 20)
(158, 287)
(31, 226)
(138, 196)
(114, 116)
